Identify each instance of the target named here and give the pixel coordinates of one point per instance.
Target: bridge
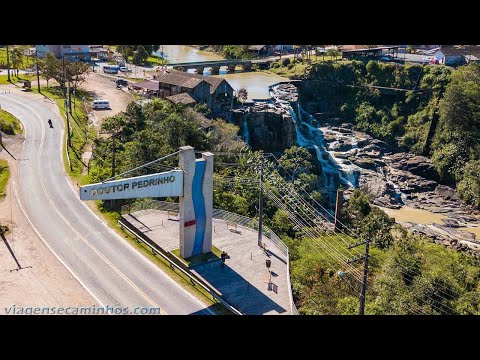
(215, 65)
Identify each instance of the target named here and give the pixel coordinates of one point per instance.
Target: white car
(125, 69)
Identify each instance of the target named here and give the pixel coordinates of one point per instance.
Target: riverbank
(399, 182)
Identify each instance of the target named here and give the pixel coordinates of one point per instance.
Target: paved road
(106, 265)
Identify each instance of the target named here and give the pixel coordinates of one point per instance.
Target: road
(109, 268)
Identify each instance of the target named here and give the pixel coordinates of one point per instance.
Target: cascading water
(246, 135)
(335, 171)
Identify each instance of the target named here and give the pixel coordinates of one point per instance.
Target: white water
(335, 171)
(246, 135)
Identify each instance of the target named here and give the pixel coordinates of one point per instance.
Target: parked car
(125, 69)
(100, 104)
(121, 82)
(386, 58)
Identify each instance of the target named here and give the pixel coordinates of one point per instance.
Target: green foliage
(4, 176)
(456, 145)
(9, 124)
(296, 160)
(242, 94)
(231, 51)
(468, 188)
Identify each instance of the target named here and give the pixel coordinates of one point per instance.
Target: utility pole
(113, 154)
(260, 204)
(8, 65)
(365, 271)
(38, 73)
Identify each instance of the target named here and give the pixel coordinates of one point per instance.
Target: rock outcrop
(270, 127)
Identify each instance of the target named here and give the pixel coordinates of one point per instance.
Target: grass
(81, 132)
(198, 259)
(298, 68)
(4, 176)
(152, 60)
(14, 79)
(156, 60)
(112, 217)
(9, 124)
(27, 60)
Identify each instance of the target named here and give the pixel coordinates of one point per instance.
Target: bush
(8, 129)
(286, 61)
(290, 66)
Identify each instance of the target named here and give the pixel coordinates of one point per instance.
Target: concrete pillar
(196, 204)
(187, 212)
(215, 70)
(338, 211)
(208, 199)
(231, 68)
(200, 70)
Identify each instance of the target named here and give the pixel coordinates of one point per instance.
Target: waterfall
(246, 135)
(335, 171)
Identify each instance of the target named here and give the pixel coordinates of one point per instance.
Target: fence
(175, 265)
(222, 215)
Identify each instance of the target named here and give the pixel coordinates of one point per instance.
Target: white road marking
(130, 282)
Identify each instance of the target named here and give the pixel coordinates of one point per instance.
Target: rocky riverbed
(398, 179)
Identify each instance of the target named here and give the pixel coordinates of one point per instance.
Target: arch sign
(193, 184)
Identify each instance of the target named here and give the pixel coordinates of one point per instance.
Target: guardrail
(222, 215)
(125, 224)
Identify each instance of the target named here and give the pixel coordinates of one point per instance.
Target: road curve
(112, 271)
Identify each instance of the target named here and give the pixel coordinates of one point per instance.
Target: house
(70, 52)
(260, 50)
(217, 93)
(221, 92)
(169, 84)
(455, 55)
(98, 53)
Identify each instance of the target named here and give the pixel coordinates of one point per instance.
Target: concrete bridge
(215, 65)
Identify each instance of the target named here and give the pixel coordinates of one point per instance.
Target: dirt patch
(104, 88)
(42, 279)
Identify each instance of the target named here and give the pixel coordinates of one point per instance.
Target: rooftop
(452, 50)
(147, 85)
(174, 74)
(179, 78)
(182, 98)
(256, 47)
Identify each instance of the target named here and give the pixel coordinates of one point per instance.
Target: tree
(460, 107)
(51, 68)
(16, 58)
(469, 187)
(296, 160)
(332, 53)
(242, 94)
(369, 222)
(77, 73)
(140, 56)
(411, 49)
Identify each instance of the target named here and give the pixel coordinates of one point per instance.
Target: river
(256, 83)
